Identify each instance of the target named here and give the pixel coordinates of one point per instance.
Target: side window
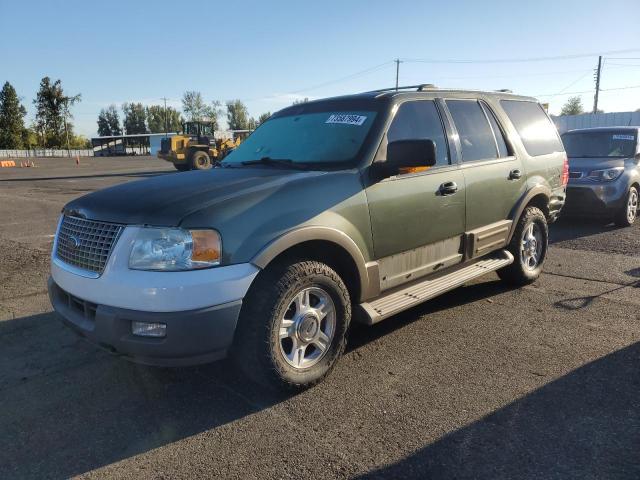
(420, 120)
(536, 131)
(503, 151)
(476, 136)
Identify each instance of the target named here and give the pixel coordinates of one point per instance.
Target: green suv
(349, 208)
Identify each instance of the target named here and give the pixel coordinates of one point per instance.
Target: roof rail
(418, 88)
(504, 90)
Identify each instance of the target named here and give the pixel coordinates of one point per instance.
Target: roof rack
(418, 88)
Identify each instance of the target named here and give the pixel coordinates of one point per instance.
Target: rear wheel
(181, 167)
(293, 325)
(529, 248)
(200, 161)
(627, 214)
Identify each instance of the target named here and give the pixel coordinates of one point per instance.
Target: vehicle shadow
(583, 425)
(566, 229)
(86, 409)
(360, 334)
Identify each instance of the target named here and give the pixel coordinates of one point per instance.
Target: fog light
(146, 329)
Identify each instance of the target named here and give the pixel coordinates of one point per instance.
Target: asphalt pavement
(484, 382)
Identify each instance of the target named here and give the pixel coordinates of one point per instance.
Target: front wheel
(293, 325)
(200, 161)
(627, 214)
(529, 248)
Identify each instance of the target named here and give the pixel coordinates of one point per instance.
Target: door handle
(515, 174)
(448, 188)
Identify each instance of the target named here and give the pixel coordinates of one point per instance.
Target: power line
(630, 87)
(520, 60)
(347, 77)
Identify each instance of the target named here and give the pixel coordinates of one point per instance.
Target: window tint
(538, 134)
(420, 120)
(503, 151)
(475, 133)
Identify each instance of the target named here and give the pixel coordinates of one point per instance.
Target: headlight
(606, 175)
(175, 249)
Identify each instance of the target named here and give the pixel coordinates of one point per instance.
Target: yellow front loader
(195, 148)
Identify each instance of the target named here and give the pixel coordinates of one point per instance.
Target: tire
(527, 267)
(627, 214)
(273, 320)
(200, 161)
(181, 167)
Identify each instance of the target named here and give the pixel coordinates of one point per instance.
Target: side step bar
(402, 298)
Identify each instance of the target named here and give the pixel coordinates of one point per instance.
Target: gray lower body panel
(193, 337)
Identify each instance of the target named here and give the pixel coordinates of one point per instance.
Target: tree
(11, 118)
(197, 110)
(194, 106)
(301, 100)
(135, 118)
(238, 116)
(29, 138)
(572, 107)
(156, 119)
(109, 122)
(53, 113)
(263, 118)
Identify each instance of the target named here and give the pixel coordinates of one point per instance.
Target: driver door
(417, 218)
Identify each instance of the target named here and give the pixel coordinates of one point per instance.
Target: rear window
(599, 144)
(538, 134)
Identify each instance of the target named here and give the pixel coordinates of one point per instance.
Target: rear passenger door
(495, 178)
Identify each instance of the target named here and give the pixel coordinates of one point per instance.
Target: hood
(167, 199)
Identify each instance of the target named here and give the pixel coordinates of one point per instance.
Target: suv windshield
(331, 137)
(610, 143)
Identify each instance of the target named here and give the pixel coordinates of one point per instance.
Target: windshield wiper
(277, 162)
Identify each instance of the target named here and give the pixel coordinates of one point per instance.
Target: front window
(320, 138)
(596, 144)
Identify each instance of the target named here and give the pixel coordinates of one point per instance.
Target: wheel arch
(330, 246)
(539, 196)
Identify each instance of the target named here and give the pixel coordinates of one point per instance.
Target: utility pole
(598, 72)
(166, 127)
(398, 62)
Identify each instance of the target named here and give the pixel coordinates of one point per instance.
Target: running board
(402, 298)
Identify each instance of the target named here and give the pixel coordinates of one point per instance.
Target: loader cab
(201, 133)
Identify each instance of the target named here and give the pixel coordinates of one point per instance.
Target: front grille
(86, 244)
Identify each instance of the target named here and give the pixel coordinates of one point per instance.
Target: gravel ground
(483, 382)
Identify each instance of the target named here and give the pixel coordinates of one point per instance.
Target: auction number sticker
(346, 119)
(624, 137)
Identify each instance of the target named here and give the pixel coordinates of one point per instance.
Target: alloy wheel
(307, 328)
(531, 248)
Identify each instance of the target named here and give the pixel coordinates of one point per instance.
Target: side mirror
(403, 154)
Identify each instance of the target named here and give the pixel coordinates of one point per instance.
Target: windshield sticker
(346, 119)
(624, 137)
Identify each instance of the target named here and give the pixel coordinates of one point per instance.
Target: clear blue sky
(269, 53)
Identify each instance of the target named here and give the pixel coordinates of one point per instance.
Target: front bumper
(199, 307)
(192, 337)
(595, 200)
